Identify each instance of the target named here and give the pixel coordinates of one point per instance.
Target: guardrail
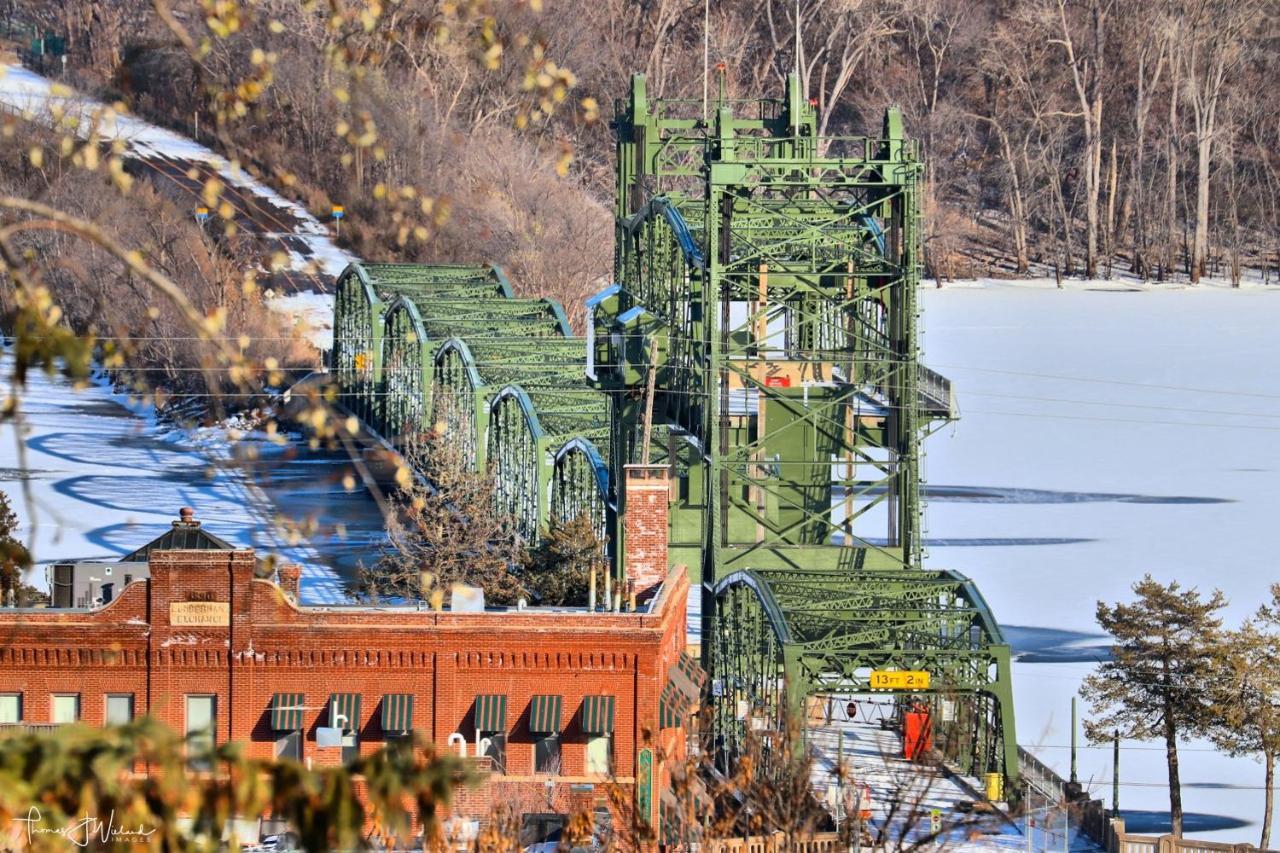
(1111, 835)
(1106, 830)
(935, 392)
(779, 842)
(1038, 775)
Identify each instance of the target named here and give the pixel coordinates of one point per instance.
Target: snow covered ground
(1107, 432)
(905, 794)
(91, 480)
(39, 99)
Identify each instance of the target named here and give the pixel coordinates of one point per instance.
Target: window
(201, 731)
(497, 749)
(546, 754)
(289, 745)
(344, 714)
(599, 754)
(491, 726)
(119, 708)
(66, 707)
(542, 829)
(10, 708)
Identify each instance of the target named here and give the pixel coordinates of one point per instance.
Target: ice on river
(1106, 433)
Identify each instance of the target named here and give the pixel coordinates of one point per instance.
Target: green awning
(397, 712)
(286, 712)
(688, 677)
(597, 715)
(673, 707)
(347, 707)
(491, 712)
(544, 714)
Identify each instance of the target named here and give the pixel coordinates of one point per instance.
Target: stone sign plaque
(201, 614)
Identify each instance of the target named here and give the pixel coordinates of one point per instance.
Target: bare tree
(1152, 45)
(1086, 69)
(446, 532)
(1210, 51)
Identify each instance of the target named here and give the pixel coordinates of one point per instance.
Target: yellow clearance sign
(899, 680)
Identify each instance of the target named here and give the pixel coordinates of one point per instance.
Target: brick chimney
(288, 577)
(644, 527)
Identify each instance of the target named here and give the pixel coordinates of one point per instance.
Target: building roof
(186, 534)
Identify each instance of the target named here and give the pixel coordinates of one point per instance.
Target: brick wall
(141, 643)
(645, 526)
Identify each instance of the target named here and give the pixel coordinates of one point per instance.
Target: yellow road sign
(882, 679)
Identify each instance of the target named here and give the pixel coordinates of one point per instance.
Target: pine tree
(1247, 697)
(1154, 686)
(14, 558)
(446, 532)
(560, 567)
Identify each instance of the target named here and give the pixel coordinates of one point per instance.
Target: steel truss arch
(357, 342)
(517, 460)
(456, 390)
(580, 486)
(406, 377)
(781, 635)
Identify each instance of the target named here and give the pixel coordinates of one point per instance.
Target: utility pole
(1115, 774)
(1074, 778)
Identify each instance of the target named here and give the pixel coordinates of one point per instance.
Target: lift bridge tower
(761, 345)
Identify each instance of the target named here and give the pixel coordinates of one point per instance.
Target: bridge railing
(1106, 830)
(934, 391)
(818, 842)
(1038, 775)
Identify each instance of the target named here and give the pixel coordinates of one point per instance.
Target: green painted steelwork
(449, 349)
(768, 278)
(766, 292)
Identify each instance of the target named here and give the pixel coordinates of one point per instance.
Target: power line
(1119, 405)
(1127, 383)
(1109, 747)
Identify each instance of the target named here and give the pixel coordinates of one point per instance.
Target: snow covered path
(1161, 455)
(280, 223)
(872, 757)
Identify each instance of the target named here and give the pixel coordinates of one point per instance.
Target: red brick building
(560, 699)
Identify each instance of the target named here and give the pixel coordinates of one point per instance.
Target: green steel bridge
(760, 345)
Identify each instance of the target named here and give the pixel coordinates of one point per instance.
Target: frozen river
(1160, 453)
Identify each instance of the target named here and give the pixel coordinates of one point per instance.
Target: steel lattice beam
(769, 278)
